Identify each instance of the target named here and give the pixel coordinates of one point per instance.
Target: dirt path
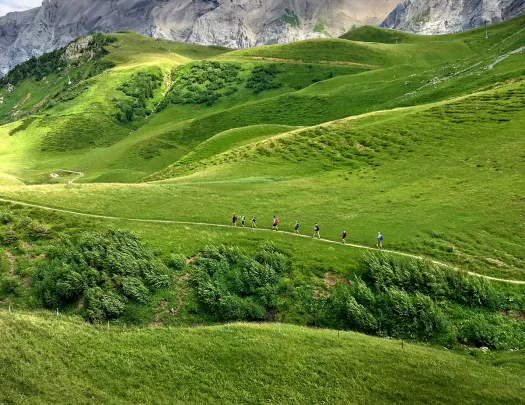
(11, 258)
(79, 175)
(320, 62)
(164, 221)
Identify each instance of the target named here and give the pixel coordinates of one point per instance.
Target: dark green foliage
(23, 126)
(10, 286)
(492, 331)
(289, 17)
(48, 63)
(230, 285)
(432, 280)
(6, 217)
(105, 271)
(177, 261)
(202, 83)
(264, 77)
(36, 67)
(139, 88)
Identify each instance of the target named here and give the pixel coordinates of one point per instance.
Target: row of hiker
(297, 225)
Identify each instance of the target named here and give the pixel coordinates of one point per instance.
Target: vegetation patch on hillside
(203, 82)
(139, 88)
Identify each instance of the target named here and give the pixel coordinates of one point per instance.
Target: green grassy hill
(238, 364)
(417, 137)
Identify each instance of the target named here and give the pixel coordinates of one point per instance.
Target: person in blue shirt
(380, 240)
(296, 227)
(254, 222)
(317, 231)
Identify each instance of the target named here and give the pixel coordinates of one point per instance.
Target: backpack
(381, 238)
(276, 220)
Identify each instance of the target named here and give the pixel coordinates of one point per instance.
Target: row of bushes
(396, 297)
(440, 283)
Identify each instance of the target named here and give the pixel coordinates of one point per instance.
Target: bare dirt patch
(497, 262)
(11, 259)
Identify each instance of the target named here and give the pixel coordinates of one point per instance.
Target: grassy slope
(404, 74)
(372, 171)
(359, 175)
(89, 116)
(237, 364)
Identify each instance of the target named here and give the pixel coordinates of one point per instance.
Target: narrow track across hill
(164, 221)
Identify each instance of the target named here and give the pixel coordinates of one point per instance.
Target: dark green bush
(139, 88)
(230, 285)
(6, 217)
(10, 286)
(177, 261)
(481, 331)
(435, 281)
(264, 77)
(104, 270)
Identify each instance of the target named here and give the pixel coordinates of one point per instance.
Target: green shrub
(177, 262)
(435, 281)
(134, 289)
(264, 77)
(138, 88)
(400, 314)
(10, 286)
(6, 217)
(104, 270)
(230, 285)
(479, 331)
(9, 236)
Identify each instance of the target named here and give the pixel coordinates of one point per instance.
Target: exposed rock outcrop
(445, 16)
(233, 23)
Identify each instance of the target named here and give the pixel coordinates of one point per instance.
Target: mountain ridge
(433, 17)
(235, 24)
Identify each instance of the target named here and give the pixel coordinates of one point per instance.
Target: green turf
(68, 361)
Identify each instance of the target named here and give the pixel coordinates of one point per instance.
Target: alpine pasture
(121, 166)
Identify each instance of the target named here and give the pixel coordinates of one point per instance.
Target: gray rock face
(445, 16)
(233, 23)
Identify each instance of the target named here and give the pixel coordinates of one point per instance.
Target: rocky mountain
(233, 23)
(445, 16)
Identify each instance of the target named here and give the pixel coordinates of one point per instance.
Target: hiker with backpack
(275, 223)
(254, 222)
(316, 231)
(296, 227)
(234, 219)
(343, 236)
(380, 240)
(243, 220)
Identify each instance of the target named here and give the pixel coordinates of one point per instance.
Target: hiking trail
(173, 222)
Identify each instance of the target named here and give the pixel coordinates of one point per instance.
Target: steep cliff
(233, 23)
(445, 16)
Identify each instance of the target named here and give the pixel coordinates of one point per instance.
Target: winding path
(79, 175)
(164, 221)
